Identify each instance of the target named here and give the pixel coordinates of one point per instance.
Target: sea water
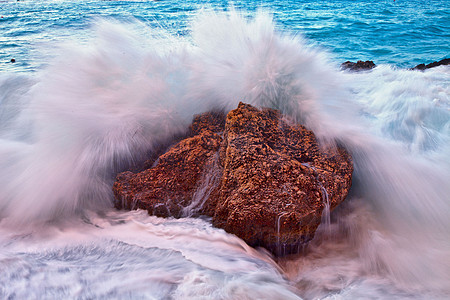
(98, 84)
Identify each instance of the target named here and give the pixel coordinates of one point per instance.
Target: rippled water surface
(403, 32)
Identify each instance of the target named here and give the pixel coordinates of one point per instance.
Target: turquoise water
(402, 33)
(98, 84)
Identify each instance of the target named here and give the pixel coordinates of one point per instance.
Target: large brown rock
(264, 179)
(276, 180)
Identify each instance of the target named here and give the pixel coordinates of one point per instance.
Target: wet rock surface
(257, 175)
(445, 61)
(169, 186)
(276, 181)
(212, 121)
(358, 66)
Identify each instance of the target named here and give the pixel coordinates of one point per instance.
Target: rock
(276, 180)
(445, 61)
(358, 66)
(168, 187)
(264, 179)
(212, 121)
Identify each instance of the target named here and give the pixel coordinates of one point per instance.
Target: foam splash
(101, 107)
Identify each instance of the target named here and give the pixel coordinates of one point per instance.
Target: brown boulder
(264, 179)
(276, 180)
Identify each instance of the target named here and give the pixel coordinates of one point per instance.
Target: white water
(99, 108)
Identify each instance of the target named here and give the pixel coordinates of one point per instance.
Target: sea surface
(96, 85)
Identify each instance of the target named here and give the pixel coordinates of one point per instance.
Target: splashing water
(101, 108)
(209, 181)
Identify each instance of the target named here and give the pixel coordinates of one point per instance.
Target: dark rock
(445, 61)
(264, 179)
(358, 66)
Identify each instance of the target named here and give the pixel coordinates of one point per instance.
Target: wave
(100, 108)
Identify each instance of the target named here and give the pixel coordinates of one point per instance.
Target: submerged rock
(445, 61)
(263, 179)
(358, 66)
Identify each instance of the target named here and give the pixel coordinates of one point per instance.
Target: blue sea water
(98, 84)
(403, 33)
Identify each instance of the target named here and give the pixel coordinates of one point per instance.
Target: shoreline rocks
(368, 65)
(254, 173)
(443, 62)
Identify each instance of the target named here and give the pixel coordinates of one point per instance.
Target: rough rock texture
(212, 121)
(263, 179)
(445, 61)
(358, 66)
(276, 181)
(169, 187)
